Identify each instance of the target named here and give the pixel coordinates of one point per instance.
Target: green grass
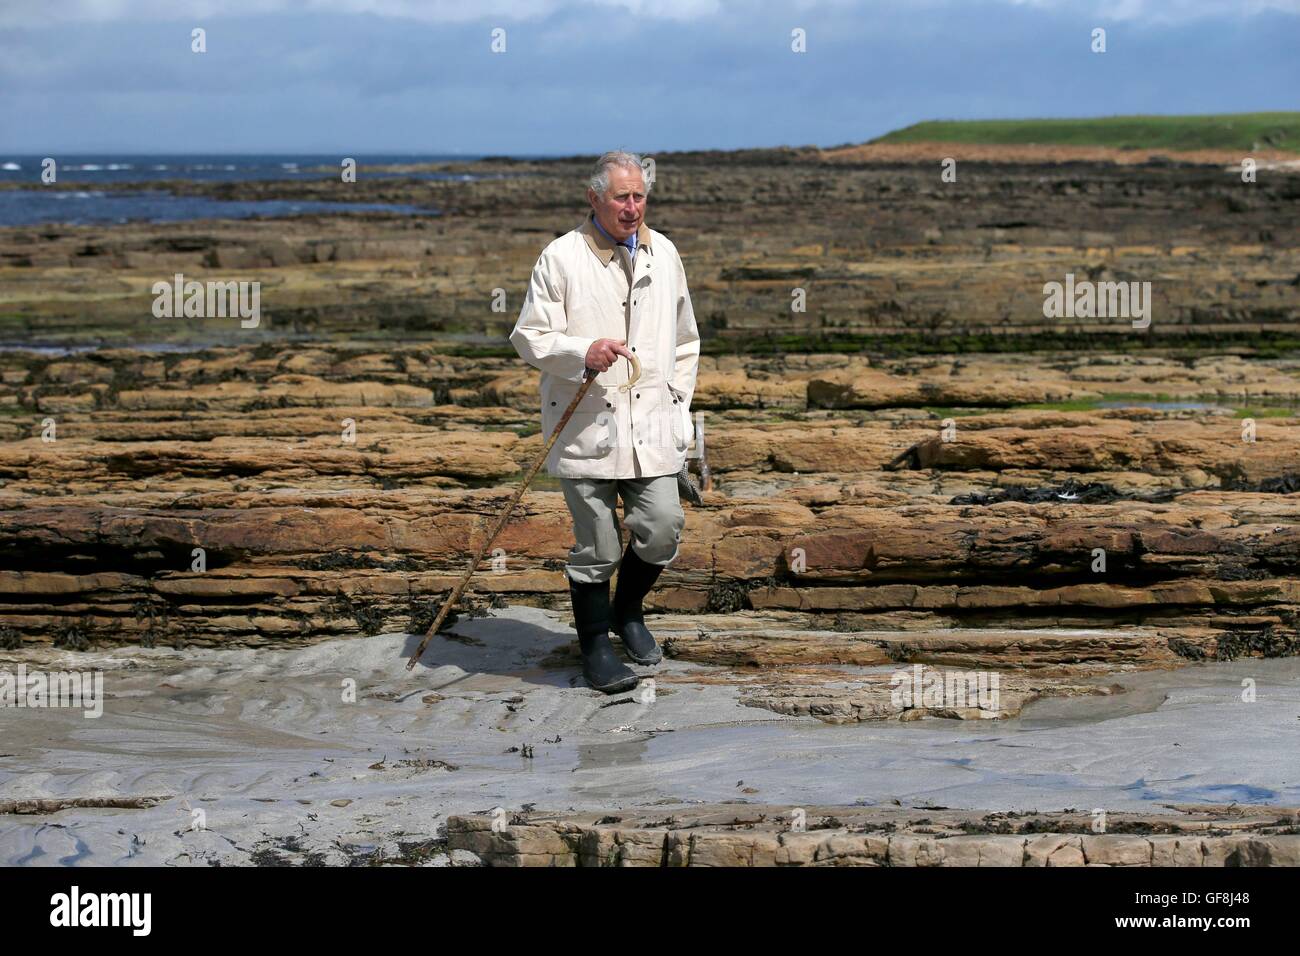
(1237, 131)
(1071, 405)
(1266, 344)
(526, 430)
(478, 351)
(1261, 345)
(1152, 397)
(949, 411)
(1090, 404)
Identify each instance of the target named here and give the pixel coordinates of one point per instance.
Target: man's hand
(605, 352)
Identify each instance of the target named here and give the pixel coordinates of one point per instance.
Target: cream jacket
(584, 288)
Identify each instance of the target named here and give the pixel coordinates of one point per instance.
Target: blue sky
(357, 77)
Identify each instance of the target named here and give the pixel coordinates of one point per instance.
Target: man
(607, 291)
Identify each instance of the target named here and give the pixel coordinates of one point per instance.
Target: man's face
(622, 208)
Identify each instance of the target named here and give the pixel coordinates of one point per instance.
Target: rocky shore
(214, 499)
(854, 836)
(919, 471)
(889, 255)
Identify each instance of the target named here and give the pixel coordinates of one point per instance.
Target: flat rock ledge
(721, 835)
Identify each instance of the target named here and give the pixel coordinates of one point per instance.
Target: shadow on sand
(520, 643)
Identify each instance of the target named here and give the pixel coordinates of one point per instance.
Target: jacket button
(607, 405)
(638, 394)
(674, 402)
(638, 441)
(625, 303)
(634, 348)
(552, 403)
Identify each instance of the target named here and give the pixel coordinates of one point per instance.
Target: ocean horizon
(144, 167)
(37, 205)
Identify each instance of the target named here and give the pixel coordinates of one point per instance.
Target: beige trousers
(651, 511)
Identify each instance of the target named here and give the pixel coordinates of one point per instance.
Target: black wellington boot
(601, 666)
(635, 579)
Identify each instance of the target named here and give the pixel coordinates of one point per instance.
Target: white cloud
(1164, 11)
(50, 12)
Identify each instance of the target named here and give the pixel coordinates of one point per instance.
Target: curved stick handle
(636, 373)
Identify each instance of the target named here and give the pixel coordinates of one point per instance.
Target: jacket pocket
(556, 397)
(680, 418)
(589, 435)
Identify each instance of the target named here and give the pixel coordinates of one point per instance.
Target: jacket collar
(601, 246)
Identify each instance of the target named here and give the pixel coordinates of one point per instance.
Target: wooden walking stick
(588, 377)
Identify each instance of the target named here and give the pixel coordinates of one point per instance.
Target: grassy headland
(1225, 131)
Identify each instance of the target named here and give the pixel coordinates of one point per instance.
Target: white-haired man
(608, 290)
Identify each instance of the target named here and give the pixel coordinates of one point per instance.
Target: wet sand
(262, 742)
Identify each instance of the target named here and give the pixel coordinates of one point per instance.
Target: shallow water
(23, 207)
(133, 168)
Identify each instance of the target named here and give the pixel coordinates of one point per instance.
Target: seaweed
(1285, 484)
(339, 561)
(1265, 642)
(72, 637)
(367, 614)
(726, 597)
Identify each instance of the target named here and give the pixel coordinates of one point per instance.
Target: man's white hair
(600, 175)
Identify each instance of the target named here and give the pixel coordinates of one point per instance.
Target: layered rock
(881, 836)
(261, 496)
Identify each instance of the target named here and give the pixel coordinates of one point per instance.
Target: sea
(152, 202)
